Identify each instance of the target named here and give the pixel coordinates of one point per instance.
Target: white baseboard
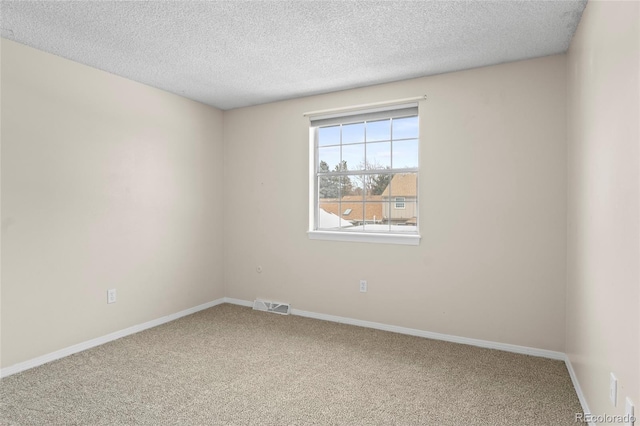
(420, 333)
(576, 386)
(22, 366)
(238, 302)
(436, 336)
(16, 368)
(543, 353)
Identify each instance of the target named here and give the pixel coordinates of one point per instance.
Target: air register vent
(275, 307)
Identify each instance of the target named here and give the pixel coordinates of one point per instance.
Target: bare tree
(372, 184)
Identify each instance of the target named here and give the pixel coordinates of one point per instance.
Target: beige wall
(491, 264)
(603, 296)
(106, 183)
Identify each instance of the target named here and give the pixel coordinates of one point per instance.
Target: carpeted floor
(230, 365)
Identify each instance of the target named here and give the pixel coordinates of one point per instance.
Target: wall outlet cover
(629, 413)
(111, 295)
(613, 389)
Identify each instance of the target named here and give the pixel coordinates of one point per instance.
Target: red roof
(356, 207)
(402, 185)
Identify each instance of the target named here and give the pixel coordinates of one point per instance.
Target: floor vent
(275, 307)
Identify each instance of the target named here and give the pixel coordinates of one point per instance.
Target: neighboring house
(399, 208)
(355, 208)
(401, 197)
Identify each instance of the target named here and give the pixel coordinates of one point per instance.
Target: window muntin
(366, 163)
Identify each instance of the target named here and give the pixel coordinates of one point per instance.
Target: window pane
(328, 220)
(378, 155)
(401, 212)
(352, 209)
(347, 185)
(405, 154)
(403, 185)
(353, 133)
(336, 215)
(353, 155)
(356, 183)
(379, 130)
(328, 188)
(368, 214)
(373, 212)
(329, 217)
(376, 185)
(328, 159)
(404, 219)
(329, 136)
(405, 128)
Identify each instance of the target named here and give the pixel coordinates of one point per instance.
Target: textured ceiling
(231, 54)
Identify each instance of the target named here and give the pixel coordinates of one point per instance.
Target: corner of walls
(603, 208)
(106, 183)
(1, 220)
(225, 213)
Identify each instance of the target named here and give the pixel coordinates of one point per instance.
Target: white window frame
(399, 201)
(355, 236)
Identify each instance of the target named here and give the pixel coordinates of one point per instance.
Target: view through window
(366, 177)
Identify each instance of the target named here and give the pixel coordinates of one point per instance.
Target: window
(365, 175)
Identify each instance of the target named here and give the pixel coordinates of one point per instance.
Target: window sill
(361, 237)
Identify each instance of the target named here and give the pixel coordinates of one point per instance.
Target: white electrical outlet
(363, 286)
(613, 389)
(111, 295)
(629, 417)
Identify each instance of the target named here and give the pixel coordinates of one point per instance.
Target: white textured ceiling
(231, 54)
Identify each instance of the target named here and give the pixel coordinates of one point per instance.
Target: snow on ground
(384, 228)
(328, 220)
(331, 222)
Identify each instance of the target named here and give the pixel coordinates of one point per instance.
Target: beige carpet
(230, 365)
